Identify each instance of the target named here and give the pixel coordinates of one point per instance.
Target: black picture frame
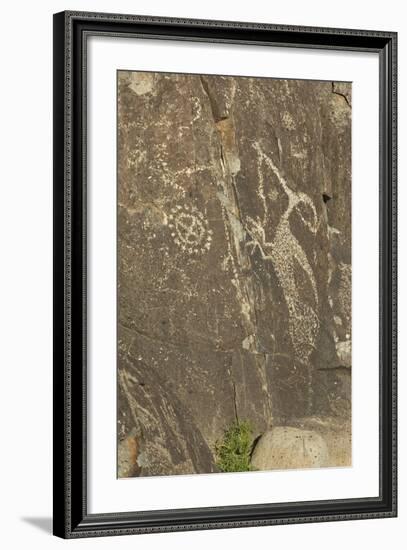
(71, 518)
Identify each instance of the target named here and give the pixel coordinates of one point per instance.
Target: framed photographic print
(224, 274)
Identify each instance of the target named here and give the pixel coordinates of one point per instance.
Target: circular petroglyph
(189, 229)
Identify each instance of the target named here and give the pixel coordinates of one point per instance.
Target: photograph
(202, 302)
(234, 274)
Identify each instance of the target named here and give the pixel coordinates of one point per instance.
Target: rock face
(234, 264)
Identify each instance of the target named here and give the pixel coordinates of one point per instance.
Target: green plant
(233, 451)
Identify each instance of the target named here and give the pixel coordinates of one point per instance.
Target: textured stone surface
(310, 443)
(234, 262)
(287, 447)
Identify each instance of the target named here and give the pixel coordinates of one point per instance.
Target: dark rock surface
(234, 262)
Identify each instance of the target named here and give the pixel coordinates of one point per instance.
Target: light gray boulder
(290, 448)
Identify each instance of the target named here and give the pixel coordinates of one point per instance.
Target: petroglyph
(135, 157)
(286, 254)
(196, 108)
(189, 229)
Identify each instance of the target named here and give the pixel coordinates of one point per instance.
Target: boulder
(286, 447)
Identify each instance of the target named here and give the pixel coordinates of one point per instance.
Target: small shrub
(233, 452)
